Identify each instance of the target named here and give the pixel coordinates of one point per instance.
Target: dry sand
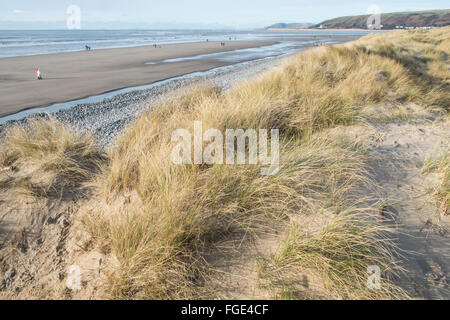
(75, 75)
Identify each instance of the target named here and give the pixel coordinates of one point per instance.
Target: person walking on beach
(38, 74)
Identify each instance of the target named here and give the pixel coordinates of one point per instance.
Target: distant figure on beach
(222, 44)
(88, 48)
(38, 74)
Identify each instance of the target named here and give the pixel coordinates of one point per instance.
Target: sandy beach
(74, 75)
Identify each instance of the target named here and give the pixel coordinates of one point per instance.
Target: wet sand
(75, 75)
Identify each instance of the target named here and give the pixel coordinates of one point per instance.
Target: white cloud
(17, 11)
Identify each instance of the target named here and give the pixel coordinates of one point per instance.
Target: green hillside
(433, 18)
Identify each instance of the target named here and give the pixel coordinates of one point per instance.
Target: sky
(238, 14)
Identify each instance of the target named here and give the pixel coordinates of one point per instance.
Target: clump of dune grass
(441, 164)
(341, 253)
(424, 56)
(50, 156)
(160, 228)
(159, 219)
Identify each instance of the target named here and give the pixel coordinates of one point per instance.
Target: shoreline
(72, 76)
